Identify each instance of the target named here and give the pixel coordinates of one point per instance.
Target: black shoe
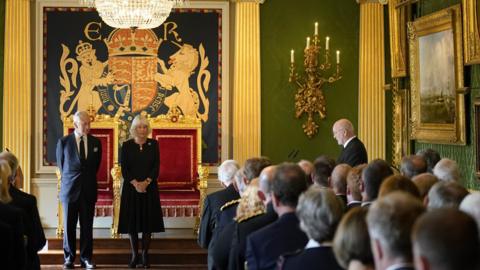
(133, 263)
(88, 265)
(145, 262)
(68, 265)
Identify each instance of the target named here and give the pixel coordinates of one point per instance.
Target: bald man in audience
(372, 176)
(424, 183)
(339, 181)
(354, 184)
(446, 239)
(247, 226)
(413, 165)
(353, 151)
(471, 206)
(446, 195)
(447, 170)
(431, 156)
(390, 220)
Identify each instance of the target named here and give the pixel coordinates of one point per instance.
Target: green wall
(285, 24)
(464, 155)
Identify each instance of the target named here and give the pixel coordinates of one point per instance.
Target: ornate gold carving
(59, 231)
(116, 176)
(401, 111)
(202, 185)
(471, 36)
(309, 98)
(446, 133)
(398, 39)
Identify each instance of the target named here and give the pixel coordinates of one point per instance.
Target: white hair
(227, 171)
(447, 170)
(471, 206)
(137, 121)
(80, 115)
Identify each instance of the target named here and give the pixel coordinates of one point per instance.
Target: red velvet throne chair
(106, 129)
(182, 181)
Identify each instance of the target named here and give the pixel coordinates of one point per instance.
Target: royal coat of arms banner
(90, 66)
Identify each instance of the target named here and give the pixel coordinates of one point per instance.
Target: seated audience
(424, 183)
(319, 212)
(212, 204)
(446, 194)
(398, 183)
(413, 165)
(284, 235)
(339, 181)
(243, 228)
(372, 177)
(352, 242)
(323, 167)
(12, 217)
(447, 170)
(446, 239)
(28, 204)
(308, 168)
(354, 184)
(250, 205)
(471, 206)
(431, 157)
(390, 220)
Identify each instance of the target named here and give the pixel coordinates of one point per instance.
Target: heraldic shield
(134, 63)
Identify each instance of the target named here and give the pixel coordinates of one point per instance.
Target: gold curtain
(371, 120)
(246, 81)
(17, 84)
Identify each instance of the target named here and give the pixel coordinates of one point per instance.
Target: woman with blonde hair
(140, 210)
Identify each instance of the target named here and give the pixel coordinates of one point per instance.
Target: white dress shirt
(85, 143)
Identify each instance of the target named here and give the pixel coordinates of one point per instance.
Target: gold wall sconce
(309, 98)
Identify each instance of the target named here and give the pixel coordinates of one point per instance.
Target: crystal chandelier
(134, 14)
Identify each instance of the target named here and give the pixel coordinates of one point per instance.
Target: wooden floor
(173, 249)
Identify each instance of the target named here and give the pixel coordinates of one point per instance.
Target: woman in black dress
(140, 209)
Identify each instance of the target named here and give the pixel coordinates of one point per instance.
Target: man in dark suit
(28, 203)
(284, 235)
(242, 229)
(78, 158)
(353, 151)
(212, 204)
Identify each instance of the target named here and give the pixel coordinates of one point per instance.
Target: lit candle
(338, 57)
(316, 28)
(292, 59)
(327, 40)
(308, 43)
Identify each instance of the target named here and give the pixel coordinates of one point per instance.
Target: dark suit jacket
(319, 258)
(267, 244)
(211, 208)
(33, 227)
(354, 154)
(13, 217)
(6, 251)
(75, 176)
(236, 259)
(221, 247)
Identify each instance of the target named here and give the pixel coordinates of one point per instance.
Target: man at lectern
(78, 158)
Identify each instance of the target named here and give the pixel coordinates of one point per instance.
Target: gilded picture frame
(471, 35)
(398, 38)
(436, 71)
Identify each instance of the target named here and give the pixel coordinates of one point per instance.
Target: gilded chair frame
(98, 122)
(176, 121)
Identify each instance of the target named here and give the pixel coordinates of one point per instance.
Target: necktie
(82, 149)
